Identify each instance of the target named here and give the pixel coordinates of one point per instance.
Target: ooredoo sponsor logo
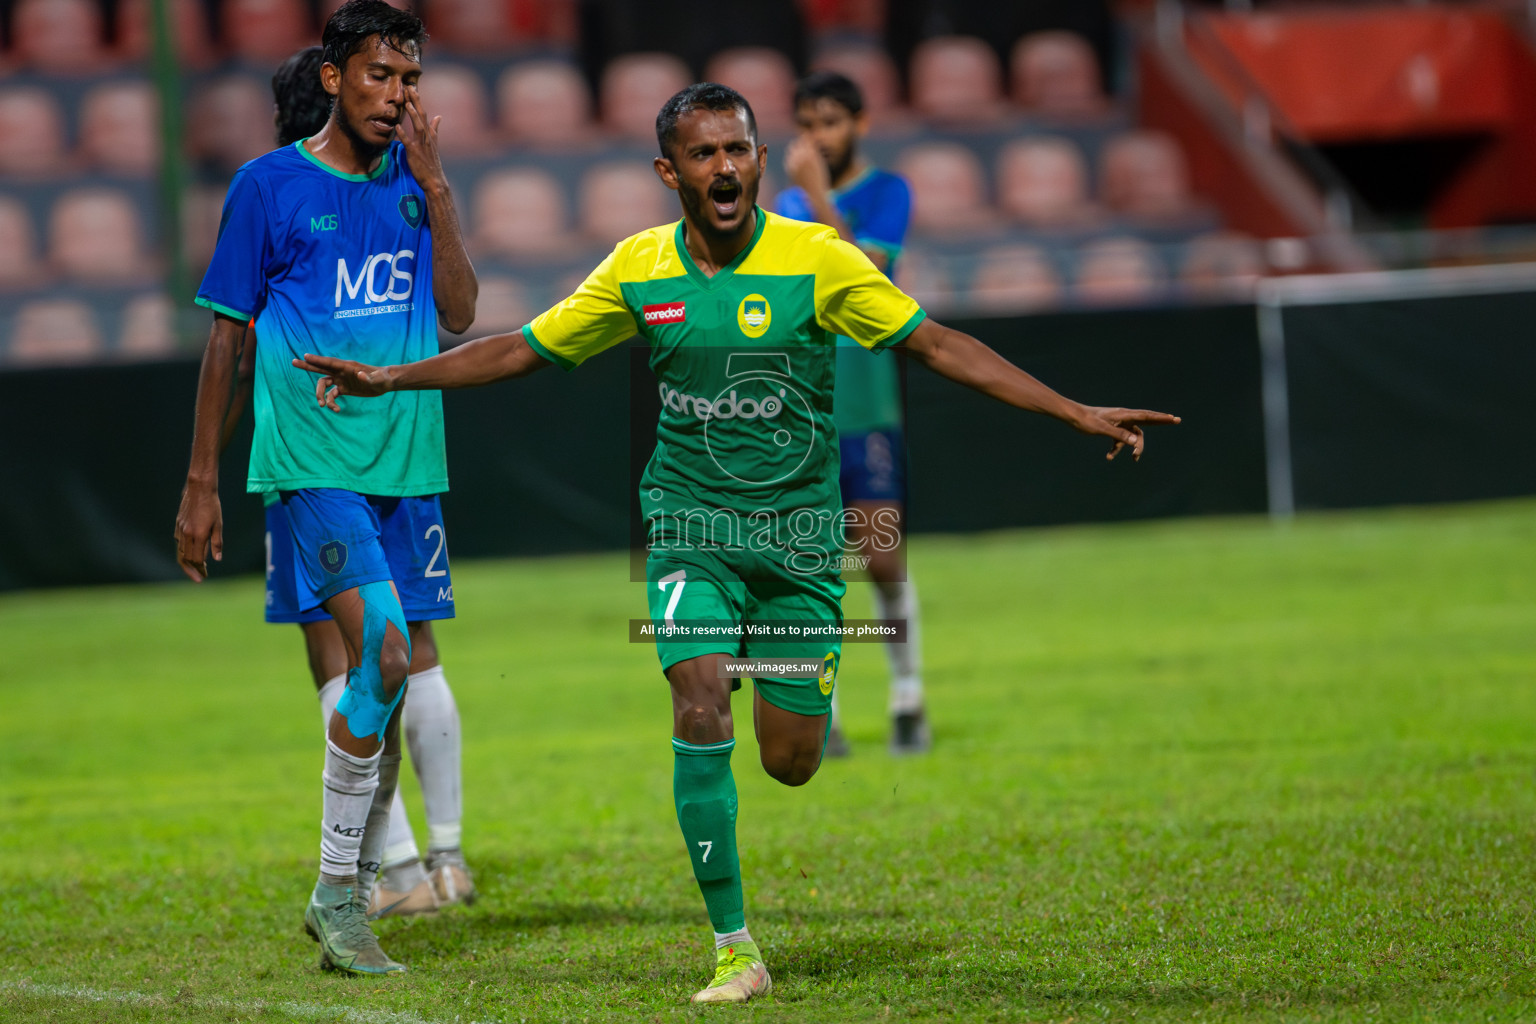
(665, 313)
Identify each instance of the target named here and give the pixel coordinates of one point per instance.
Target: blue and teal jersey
(877, 206)
(339, 265)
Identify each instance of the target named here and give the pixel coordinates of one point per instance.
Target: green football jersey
(746, 450)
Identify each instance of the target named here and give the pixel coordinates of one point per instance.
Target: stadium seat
(120, 128)
(1056, 74)
(862, 16)
(948, 188)
(1116, 271)
(765, 77)
(457, 94)
(59, 37)
(148, 330)
(926, 279)
(616, 200)
(1144, 174)
(194, 48)
(95, 236)
(265, 31)
(470, 26)
(33, 125)
(19, 266)
(1043, 182)
(519, 212)
(230, 122)
(1014, 279)
(54, 331)
(633, 89)
(1222, 264)
(545, 103)
(956, 79)
(873, 71)
(502, 307)
(201, 208)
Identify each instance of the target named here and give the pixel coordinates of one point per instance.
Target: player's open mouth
(384, 126)
(725, 195)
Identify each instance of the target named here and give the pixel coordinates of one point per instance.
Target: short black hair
(829, 85)
(699, 96)
(302, 102)
(354, 21)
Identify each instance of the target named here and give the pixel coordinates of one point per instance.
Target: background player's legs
(895, 598)
(432, 732)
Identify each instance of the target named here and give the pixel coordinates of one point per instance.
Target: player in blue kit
(431, 721)
(348, 243)
(870, 208)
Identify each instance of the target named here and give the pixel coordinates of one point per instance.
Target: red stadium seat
(230, 121)
(54, 331)
(1222, 265)
(201, 208)
(120, 128)
(1056, 74)
(266, 31)
(457, 94)
(32, 124)
(864, 16)
(925, 279)
(19, 266)
(873, 71)
(956, 79)
(149, 328)
(189, 25)
(765, 77)
(470, 26)
(59, 37)
(519, 212)
(95, 236)
(1144, 174)
(617, 200)
(502, 307)
(545, 103)
(634, 87)
(1043, 182)
(1117, 271)
(1014, 279)
(948, 188)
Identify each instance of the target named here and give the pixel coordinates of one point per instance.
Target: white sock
(350, 783)
(837, 712)
(401, 846)
(723, 939)
(905, 658)
(329, 694)
(432, 733)
(370, 852)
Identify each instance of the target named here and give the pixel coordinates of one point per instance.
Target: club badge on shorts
(333, 557)
(828, 673)
(754, 316)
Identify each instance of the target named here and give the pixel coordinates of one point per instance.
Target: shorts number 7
(681, 579)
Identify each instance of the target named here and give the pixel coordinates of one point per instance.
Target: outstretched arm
(482, 361)
(963, 359)
(200, 520)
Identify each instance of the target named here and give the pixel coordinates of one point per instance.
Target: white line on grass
(307, 1011)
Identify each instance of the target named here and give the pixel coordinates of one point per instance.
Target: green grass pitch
(1199, 770)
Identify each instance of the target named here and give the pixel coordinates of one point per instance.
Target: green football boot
(740, 974)
(337, 918)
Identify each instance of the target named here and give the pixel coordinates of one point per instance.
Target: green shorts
(705, 590)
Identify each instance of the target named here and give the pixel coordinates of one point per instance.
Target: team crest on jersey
(333, 557)
(828, 673)
(754, 316)
(411, 209)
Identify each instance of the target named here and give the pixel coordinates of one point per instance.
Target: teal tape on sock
(364, 705)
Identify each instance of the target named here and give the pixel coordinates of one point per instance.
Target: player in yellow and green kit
(741, 310)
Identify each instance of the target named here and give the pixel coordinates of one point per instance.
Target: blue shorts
(338, 540)
(874, 466)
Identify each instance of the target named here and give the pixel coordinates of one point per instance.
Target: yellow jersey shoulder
(649, 255)
(788, 247)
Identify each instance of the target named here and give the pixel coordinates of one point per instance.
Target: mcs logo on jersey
(383, 282)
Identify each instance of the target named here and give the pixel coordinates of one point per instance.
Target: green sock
(705, 793)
